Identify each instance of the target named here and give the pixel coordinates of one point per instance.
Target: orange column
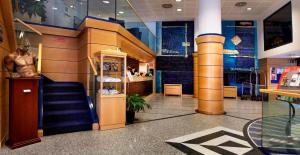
(195, 56)
(210, 74)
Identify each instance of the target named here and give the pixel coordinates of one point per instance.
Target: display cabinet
(111, 88)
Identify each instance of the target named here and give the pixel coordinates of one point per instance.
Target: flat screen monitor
(278, 28)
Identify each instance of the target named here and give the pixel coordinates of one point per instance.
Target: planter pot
(130, 117)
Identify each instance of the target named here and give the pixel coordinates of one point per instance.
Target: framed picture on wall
(1, 34)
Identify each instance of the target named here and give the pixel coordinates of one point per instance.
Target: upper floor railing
(71, 13)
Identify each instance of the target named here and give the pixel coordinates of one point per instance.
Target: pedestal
(210, 74)
(23, 112)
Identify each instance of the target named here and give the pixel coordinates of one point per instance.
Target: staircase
(65, 108)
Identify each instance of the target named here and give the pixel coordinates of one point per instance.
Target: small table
(230, 91)
(173, 89)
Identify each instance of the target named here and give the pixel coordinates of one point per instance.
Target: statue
(22, 61)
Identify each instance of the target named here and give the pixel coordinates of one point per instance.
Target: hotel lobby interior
(143, 77)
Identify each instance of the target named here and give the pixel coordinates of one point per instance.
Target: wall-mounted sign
(1, 34)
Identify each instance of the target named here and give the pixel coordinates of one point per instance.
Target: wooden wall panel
(5, 48)
(50, 53)
(62, 77)
(66, 52)
(102, 37)
(60, 57)
(54, 66)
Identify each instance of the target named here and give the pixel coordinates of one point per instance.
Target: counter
(140, 85)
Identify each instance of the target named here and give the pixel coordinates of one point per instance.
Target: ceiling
(151, 10)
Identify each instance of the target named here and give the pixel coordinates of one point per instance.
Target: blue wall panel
(239, 66)
(177, 69)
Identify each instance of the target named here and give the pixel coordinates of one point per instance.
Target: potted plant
(134, 103)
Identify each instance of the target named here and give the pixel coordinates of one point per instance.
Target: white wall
(285, 50)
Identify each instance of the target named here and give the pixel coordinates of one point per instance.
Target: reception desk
(140, 85)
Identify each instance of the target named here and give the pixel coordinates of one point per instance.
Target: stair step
(66, 127)
(63, 87)
(63, 84)
(66, 115)
(59, 96)
(65, 123)
(62, 94)
(64, 112)
(65, 109)
(67, 104)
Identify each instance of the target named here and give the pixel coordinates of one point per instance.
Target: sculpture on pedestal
(22, 62)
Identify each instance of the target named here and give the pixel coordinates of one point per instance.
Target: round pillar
(210, 74)
(210, 58)
(209, 17)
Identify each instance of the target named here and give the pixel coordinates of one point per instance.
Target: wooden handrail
(282, 92)
(28, 26)
(40, 53)
(93, 66)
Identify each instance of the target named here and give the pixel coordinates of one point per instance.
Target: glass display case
(281, 119)
(111, 88)
(111, 80)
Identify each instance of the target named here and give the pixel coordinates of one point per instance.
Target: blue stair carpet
(65, 108)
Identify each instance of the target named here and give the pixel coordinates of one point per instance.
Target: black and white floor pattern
(215, 141)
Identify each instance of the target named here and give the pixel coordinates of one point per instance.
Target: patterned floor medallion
(215, 141)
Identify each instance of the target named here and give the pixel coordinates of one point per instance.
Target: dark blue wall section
(237, 67)
(177, 69)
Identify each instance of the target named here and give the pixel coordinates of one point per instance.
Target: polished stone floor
(170, 117)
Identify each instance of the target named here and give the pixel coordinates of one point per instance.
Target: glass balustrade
(61, 13)
(70, 14)
(281, 124)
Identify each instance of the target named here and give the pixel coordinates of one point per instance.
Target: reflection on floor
(147, 137)
(172, 106)
(274, 137)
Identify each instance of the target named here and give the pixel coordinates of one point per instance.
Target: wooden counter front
(230, 91)
(141, 86)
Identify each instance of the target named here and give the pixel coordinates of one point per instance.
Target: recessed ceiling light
(178, 0)
(121, 12)
(106, 2)
(167, 6)
(240, 4)
(179, 10)
(249, 9)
